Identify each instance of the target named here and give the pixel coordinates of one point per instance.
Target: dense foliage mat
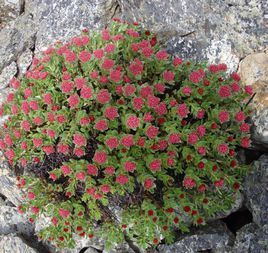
(116, 138)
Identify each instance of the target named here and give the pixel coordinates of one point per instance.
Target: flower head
(66, 170)
(92, 170)
(64, 213)
(195, 77)
(111, 113)
(86, 92)
(79, 140)
(224, 91)
(240, 116)
(84, 56)
(152, 132)
(127, 140)
(155, 165)
(107, 64)
(148, 183)
(223, 148)
(174, 138)
(223, 116)
(122, 179)
(186, 90)
(67, 86)
(192, 138)
(100, 157)
(168, 76)
(101, 125)
(112, 142)
(133, 122)
(183, 110)
(189, 183)
(73, 100)
(130, 166)
(103, 96)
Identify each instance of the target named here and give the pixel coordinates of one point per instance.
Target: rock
(222, 51)
(24, 61)
(212, 236)
(3, 96)
(2, 120)
(9, 9)
(260, 130)
(253, 71)
(2, 201)
(53, 21)
(4, 93)
(91, 250)
(42, 222)
(256, 191)
(250, 238)
(13, 244)
(63, 19)
(96, 243)
(203, 30)
(15, 38)
(122, 249)
(7, 74)
(13, 222)
(8, 186)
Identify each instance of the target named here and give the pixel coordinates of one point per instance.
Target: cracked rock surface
(9, 10)
(216, 30)
(209, 237)
(254, 71)
(8, 186)
(249, 238)
(15, 38)
(64, 19)
(7, 74)
(256, 191)
(11, 222)
(13, 244)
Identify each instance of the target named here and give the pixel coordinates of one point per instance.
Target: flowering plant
(109, 119)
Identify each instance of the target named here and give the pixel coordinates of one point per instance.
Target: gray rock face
(122, 249)
(24, 61)
(260, 130)
(9, 9)
(254, 71)
(219, 31)
(7, 74)
(256, 191)
(8, 187)
(46, 21)
(12, 222)
(63, 19)
(4, 93)
(209, 237)
(249, 238)
(91, 250)
(16, 37)
(13, 244)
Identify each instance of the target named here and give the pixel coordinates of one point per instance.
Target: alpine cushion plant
(111, 119)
